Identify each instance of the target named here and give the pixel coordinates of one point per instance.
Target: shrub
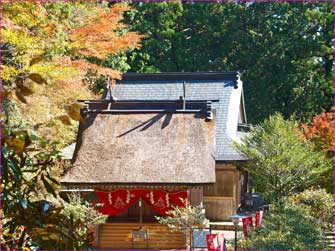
(317, 205)
(183, 218)
(80, 217)
(285, 228)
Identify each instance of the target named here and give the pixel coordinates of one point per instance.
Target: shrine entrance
(130, 210)
(133, 214)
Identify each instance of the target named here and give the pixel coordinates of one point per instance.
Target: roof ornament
(209, 112)
(111, 98)
(183, 98)
(238, 80)
(184, 95)
(110, 84)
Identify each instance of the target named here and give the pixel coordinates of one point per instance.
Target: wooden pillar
(97, 235)
(196, 196)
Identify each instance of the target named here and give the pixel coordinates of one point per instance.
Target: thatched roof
(144, 148)
(225, 89)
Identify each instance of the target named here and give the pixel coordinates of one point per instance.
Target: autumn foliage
(48, 49)
(321, 132)
(98, 37)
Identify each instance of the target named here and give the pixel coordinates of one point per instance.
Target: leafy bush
(27, 175)
(317, 205)
(34, 216)
(285, 228)
(183, 218)
(80, 217)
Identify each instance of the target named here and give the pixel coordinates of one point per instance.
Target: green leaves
(29, 176)
(183, 218)
(26, 170)
(317, 205)
(282, 163)
(285, 49)
(285, 228)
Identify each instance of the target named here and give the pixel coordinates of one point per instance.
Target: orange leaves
(321, 131)
(100, 37)
(84, 65)
(60, 44)
(107, 21)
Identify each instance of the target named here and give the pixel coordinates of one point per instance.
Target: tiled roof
(226, 90)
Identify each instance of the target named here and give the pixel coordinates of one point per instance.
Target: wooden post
(96, 235)
(140, 205)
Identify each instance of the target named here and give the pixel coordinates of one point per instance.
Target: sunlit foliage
(47, 50)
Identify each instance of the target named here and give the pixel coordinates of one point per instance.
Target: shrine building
(154, 140)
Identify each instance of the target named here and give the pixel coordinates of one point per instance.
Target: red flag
(215, 242)
(247, 224)
(259, 216)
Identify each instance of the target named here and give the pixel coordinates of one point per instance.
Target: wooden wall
(222, 199)
(118, 235)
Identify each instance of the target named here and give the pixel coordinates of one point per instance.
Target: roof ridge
(211, 75)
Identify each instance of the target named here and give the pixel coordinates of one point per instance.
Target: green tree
(286, 49)
(161, 48)
(281, 163)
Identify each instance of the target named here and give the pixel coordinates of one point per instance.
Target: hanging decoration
(259, 216)
(167, 200)
(215, 242)
(117, 201)
(247, 224)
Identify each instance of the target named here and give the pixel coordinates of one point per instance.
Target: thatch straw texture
(144, 148)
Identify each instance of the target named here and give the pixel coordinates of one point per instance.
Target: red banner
(215, 242)
(117, 201)
(162, 201)
(259, 216)
(247, 224)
